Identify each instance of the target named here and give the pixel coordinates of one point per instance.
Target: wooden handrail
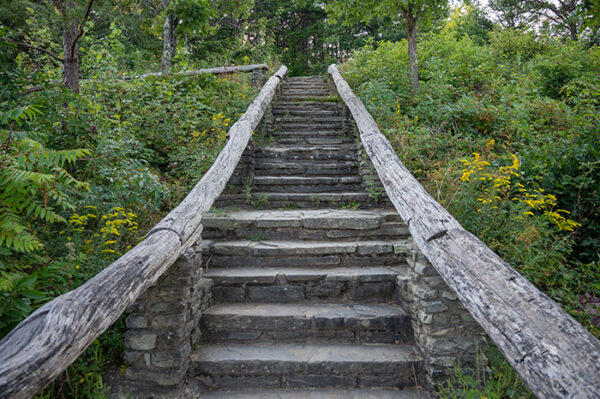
(552, 352)
(214, 71)
(44, 344)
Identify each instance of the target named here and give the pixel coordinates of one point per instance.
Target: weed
(256, 237)
(375, 193)
(288, 205)
(218, 212)
(248, 187)
(351, 205)
(261, 201)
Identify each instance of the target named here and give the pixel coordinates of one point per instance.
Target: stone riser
(305, 366)
(305, 156)
(307, 140)
(306, 113)
(310, 127)
(302, 261)
(314, 335)
(306, 291)
(388, 231)
(311, 133)
(311, 119)
(302, 171)
(348, 324)
(294, 380)
(271, 203)
(307, 188)
(305, 92)
(307, 106)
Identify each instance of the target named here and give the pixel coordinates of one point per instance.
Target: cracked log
(43, 345)
(552, 352)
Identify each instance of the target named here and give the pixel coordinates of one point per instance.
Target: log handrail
(214, 71)
(44, 344)
(554, 354)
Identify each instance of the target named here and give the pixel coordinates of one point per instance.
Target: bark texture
(413, 63)
(552, 352)
(71, 56)
(169, 39)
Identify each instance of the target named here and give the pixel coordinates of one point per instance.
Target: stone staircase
(304, 267)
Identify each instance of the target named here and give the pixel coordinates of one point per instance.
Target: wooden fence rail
(553, 353)
(214, 71)
(43, 345)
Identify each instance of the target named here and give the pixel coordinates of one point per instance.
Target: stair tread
(306, 214)
(306, 179)
(307, 353)
(306, 310)
(331, 393)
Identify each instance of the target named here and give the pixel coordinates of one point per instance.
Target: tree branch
(47, 52)
(85, 17)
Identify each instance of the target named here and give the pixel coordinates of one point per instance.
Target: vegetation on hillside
(500, 123)
(504, 133)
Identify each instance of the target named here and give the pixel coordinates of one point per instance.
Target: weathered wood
(552, 352)
(214, 71)
(49, 340)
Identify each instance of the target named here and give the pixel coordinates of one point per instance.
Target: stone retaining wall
(163, 328)
(444, 330)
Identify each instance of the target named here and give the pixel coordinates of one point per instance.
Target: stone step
(303, 253)
(328, 224)
(323, 98)
(313, 119)
(304, 184)
(295, 104)
(342, 152)
(311, 133)
(308, 322)
(307, 90)
(281, 249)
(326, 393)
(289, 284)
(266, 200)
(272, 365)
(308, 140)
(307, 113)
(309, 126)
(306, 168)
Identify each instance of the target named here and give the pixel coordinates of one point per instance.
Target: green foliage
(506, 383)
(506, 136)
(150, 141)
(32, 179)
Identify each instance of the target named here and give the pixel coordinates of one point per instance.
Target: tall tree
(565, 14)
(73, 15)
(413, 12)
(512, 13)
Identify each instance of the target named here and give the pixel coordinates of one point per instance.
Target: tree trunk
(169, 40)
(413, 65)
(71, 56)
(573, 31)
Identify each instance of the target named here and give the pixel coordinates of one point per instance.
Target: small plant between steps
(502, 383)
